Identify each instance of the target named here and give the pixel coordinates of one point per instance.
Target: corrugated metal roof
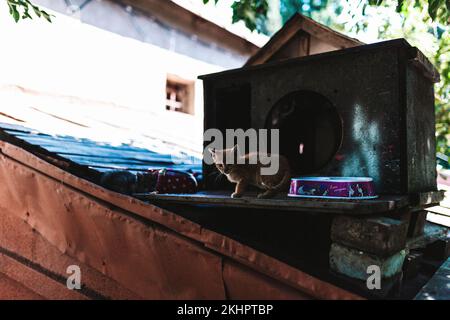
(79, 131)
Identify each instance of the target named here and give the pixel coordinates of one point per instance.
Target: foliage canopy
(23, 9)
(253, 12)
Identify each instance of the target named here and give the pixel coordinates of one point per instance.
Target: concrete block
(380, 236)
(354, 263)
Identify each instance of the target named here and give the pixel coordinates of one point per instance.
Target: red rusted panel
(243, 283)
(150, 251)
(12, 290)
(17, 237)
(37, 282)
(153, 263)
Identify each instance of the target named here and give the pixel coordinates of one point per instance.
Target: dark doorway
(310, 130)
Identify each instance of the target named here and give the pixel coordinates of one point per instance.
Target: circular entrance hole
(310, 130)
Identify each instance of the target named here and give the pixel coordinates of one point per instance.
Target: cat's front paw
(236, 195)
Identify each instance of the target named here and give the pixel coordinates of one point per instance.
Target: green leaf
(11, 8)
(433, 7)
(36, 11)
(46, 16)
(400, 5)
(206, 1)
(15, 13)
(375, 2)
(20, 9)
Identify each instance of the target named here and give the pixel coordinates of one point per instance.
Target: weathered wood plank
(292, 27)
(440, 210)
(426, 199)
(440, 219)
(281, 202)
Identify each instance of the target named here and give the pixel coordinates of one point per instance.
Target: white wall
(75, 59)
(131, 23)
(68, 57)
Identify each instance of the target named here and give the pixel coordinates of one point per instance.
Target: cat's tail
(285, 182)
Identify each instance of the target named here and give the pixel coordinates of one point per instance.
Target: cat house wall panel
(383, 97)
(420, 122)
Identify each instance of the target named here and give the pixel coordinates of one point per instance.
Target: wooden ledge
(282, 203)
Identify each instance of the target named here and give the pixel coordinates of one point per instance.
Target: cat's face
(220, 159)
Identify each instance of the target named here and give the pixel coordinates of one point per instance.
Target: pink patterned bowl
(332, 188)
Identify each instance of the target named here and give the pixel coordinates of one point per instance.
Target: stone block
(380, 235)
(355, 263)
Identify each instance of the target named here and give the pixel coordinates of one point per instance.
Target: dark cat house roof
(301, 36)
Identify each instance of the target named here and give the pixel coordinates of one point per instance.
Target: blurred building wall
(110, 54)
(149, 28)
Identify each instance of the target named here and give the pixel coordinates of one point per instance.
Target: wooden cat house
(354, 111)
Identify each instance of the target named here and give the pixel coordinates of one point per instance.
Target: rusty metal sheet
(36, 281)
(11, 290)
(20, 242)
(243, 283)
(150, 251)
(153, 263)
(266, 265)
